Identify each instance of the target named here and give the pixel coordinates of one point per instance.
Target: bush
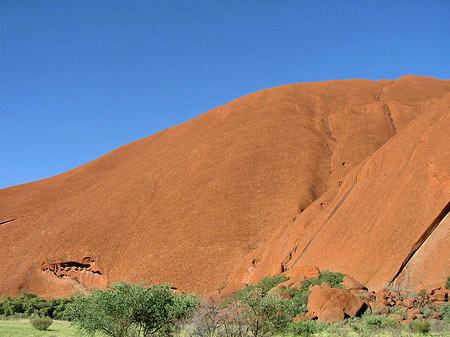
(123, 309)
(264, 285)
(333, 279)
(444, 311)
(420, 326)
(268, 283)
(376, 322)
(297, 305)
(306, 329)
(29, 304)
(447, 283)
(41, 323)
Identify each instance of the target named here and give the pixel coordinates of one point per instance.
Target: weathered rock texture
(350, 176)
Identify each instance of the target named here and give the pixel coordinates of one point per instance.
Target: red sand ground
(363, 167)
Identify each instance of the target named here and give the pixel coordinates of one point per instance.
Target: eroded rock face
(86, 272)
(296, 175)
(331, 305)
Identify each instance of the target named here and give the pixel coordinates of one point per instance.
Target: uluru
(350, 176)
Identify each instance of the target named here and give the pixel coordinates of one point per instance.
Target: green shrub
(297, 305)
(333, 279)
(29, 304)
(264, 285)
(447, 283)
(444, 311)
(123, 309)
(306, 329)
(268, 283)
(427, 312)
(376, 322)
(397, 311)
(41, 323)
(421, 326)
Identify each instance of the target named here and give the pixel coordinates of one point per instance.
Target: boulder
(306, 271)
(286, 284)
(437, 297)
(283, 294)
(409, 302)
(351, 284)
(302, 318)
(313, 287)
(370, 296)
(413, 312)
(439, 294)
(357, 291)
(397, 317)
(438, 303)
(329, 304)
(331, 315)
(297, 280)
(275, 291)
(380, 307)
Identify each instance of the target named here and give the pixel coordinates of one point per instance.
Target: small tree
(123, 309)
(207, 321)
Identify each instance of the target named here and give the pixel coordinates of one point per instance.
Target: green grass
(23, 328)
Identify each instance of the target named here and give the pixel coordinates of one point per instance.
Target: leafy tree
(123, 309)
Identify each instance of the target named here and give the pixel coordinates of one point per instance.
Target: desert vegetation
(280, 305)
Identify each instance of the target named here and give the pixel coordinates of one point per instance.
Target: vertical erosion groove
(391, 120)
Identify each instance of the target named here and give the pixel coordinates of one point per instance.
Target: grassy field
(23, 328)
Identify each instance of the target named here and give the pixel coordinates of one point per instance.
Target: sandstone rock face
(350, 176)
(375, 205)
(331, 305)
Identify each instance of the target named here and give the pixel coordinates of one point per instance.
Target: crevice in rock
(388, 110)
(391, 120)
(422, 239)
(2, 222)
(339, 204)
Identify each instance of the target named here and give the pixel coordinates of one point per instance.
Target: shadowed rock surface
(349, 176)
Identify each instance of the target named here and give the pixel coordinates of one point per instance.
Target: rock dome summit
(350, 176)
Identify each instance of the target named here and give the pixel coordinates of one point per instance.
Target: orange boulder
(331, 305)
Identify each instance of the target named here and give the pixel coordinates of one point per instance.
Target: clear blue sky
(81, 78)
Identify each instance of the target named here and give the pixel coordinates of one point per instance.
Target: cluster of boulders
(332, 305)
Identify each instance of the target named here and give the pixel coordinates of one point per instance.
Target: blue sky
(81, 78)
